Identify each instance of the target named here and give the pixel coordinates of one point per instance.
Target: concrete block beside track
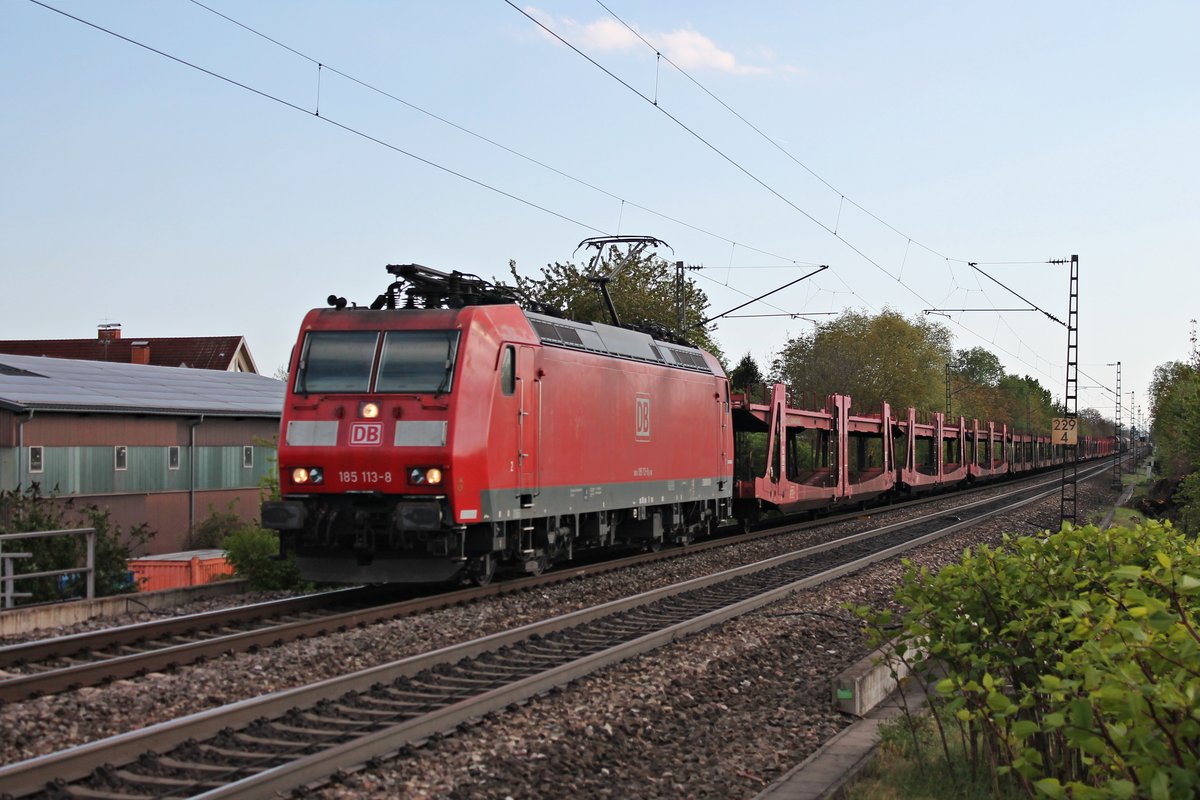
(18, 621)
(868, 683)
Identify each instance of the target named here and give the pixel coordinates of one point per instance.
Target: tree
(977, 366)
(746, 374)
(1025, 404)
(644, 291)
(871, 358)
(975, 376)
(1175, 407)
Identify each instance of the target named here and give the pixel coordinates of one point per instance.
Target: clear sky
(894, 142)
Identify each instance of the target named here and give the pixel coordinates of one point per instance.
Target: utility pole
(1070, 472)
(1116, 479)
(949, 394)
(679, 298)
(1133, 422)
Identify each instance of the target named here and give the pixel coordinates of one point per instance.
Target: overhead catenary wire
(692, 132)
(816, 271)
(317, 113)
(771, 141)
(325, 119)
(322, 65)
(335, 123)
(832, 231)
(842, 198)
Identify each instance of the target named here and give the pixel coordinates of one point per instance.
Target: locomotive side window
(508, 372)
(417, 361)
(336, 361)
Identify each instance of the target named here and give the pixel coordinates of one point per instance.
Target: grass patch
(906, 770)
(1127, 517)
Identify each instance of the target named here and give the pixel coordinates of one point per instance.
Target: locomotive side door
(529, 426)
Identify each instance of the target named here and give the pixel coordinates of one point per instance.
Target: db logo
(642, 415)
(366, 434)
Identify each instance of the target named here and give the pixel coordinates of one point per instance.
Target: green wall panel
(91, 470)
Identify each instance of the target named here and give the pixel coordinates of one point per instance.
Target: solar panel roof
(59, 384)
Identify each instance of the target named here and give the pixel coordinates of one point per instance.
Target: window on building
(120, 458)
(35, 458)
(248, 457)
(173, 457)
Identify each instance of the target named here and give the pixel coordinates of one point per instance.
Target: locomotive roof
(418, 286)
(597, 337)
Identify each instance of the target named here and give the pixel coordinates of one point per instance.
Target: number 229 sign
(1066, 431)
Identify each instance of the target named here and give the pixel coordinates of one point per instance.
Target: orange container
(179, 570)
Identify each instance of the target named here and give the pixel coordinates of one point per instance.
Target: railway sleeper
(380, 713)
(310, 734)
(279, 746)
(195, 766)
(163, 782)
(264, 760)
(324, 720)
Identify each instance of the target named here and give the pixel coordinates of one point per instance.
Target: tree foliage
(1175, 407)
(644, 290)
(872, 358)
(747, 377)
(1069, 659)
(746, 373)
(978, 366)
(911, 363)
(254, 554)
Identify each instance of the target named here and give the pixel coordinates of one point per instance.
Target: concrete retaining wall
(23, 620)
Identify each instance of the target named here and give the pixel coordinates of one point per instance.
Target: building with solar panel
(163, 446)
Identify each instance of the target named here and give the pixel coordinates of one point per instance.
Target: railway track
(292, 738)
(66, 663)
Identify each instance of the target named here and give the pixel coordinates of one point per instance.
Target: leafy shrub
(1187, 500)
(1070, 661)
(254, 554)
(212, 531)
(28, 510)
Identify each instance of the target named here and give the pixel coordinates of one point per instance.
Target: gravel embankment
(717, 715)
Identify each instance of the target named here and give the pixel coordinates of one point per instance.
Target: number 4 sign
(1066, 431)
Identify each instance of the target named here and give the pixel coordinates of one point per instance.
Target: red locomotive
(446, 431)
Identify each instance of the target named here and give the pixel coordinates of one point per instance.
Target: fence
(8, 576)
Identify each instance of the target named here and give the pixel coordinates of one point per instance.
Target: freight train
(454, 428)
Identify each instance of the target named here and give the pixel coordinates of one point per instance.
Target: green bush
(254, 554)
(25, 510)
(1071, 662)
(212, 531)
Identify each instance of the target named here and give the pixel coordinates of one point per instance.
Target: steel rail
(66, 646)
(76, 763)
(19, 687)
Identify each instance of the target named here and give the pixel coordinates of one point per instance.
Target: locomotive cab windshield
(410, 362)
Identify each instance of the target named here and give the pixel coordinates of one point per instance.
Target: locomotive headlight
(424, 476)
(368, 410)
(303, 475)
